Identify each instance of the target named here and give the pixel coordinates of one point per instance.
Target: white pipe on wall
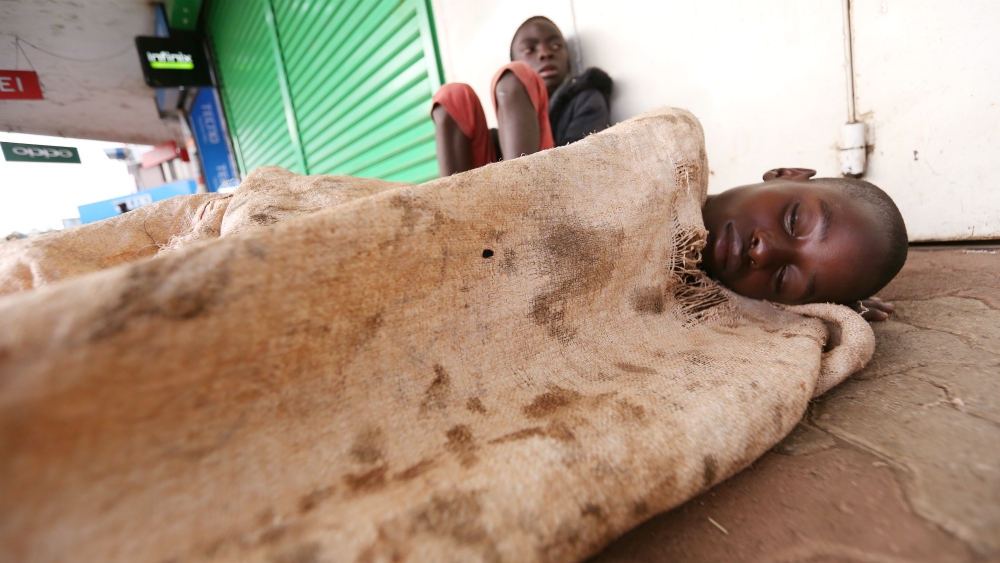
(849, 64)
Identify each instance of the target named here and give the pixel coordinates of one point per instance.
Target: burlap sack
(174, 223)
(518, 363)
(144, 232)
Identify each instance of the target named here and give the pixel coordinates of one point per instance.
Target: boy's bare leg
(519, 130)
(454, 149)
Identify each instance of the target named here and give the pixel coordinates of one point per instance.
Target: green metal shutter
(358, 77)
(248, 71)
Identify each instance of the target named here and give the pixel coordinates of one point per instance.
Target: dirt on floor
(900, 463)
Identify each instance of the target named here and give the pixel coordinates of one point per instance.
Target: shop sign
(19, 85)
(160, 154)
(206, 124)
(113, 207)
(173, 61)
(20, 152)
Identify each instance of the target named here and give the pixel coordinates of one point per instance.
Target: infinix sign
(173, 61)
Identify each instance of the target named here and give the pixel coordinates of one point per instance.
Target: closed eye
(793, 217)
(780, 279)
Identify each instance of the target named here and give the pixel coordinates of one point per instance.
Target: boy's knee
(459, 89)
(440, 115)
(454, 96)
(509, 88)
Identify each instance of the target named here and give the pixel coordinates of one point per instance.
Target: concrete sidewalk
(900, 463)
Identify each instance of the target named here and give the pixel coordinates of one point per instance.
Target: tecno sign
(170, 61)
(19, 152)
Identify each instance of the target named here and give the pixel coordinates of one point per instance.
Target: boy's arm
(874, 309)
(590, 114)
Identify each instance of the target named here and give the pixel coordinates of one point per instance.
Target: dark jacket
(580, 106)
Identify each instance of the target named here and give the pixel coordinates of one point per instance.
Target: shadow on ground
(900, 463)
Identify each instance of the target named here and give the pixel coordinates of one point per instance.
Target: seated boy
(795, 240)
(538, 104)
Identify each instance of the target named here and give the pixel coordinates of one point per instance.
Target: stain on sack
(593, 511)
(315, 498)
(415, 470)
(549, 310)
(630, 411)
(412, 210)
(436, 396)
(456, 515)
(367, 446)
(632, 368)
(171, 288)
(647, 301)
(263, 219)
(557, 431)
(697, 359)
(475, 405)
(272, 534)
(551, 401)
(580, 261)
(255, 248)
(508, 262)
(711, 471)
(368, 330)
(366, 482)
(462, 444)
(405, 202)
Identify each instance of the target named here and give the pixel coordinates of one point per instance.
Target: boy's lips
(728, 250)
(547, 71)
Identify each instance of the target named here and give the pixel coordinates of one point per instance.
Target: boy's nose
(763, 250)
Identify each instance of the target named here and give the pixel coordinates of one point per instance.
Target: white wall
(928, 84)
(768, 80)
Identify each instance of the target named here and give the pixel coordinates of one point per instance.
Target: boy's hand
(877, 310)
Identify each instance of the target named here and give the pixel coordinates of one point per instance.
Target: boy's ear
(795, 174)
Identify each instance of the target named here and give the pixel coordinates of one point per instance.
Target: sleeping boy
(538, 104)
(792, 239)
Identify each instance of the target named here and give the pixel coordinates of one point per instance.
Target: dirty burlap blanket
(518, 363)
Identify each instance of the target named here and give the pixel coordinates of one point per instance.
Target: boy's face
(792, 240)
(541, 45)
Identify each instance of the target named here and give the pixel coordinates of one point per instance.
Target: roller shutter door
(248, 74)
(356, 80)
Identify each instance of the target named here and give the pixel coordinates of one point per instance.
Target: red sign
(19, 85)
(160, 154)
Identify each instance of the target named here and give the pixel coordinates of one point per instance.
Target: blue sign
(113, 207)
(161, 30)
(206, 124)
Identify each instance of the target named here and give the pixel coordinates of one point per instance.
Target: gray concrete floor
(900, 463)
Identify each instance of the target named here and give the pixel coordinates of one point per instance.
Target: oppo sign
(20, 152)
